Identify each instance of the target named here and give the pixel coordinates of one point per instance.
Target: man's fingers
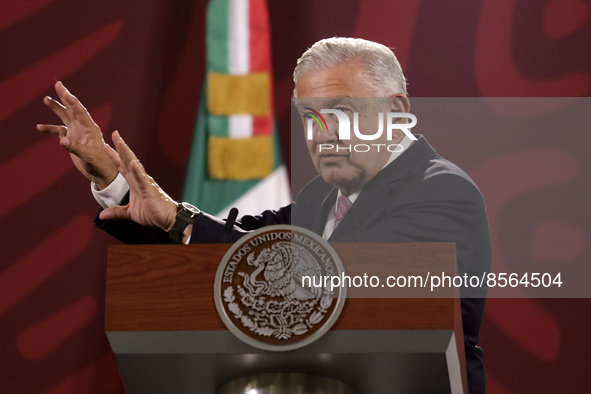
(73, 105)
(115, 213)
(139, 175)
(129, 165)
(71, 145)
(127, 160)
(122, 167)
(57, 131)
(63, 93)
(57, 108)
(125, 153)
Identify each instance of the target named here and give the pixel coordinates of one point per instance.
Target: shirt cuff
(111, 195)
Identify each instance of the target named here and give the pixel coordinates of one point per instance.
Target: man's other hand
(80, 136)
(148, 204)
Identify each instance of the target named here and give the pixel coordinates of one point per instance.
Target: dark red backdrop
(138, 66)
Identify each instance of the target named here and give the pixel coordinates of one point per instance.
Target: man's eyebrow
(300, 104)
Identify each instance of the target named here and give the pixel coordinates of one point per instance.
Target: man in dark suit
(412, 195)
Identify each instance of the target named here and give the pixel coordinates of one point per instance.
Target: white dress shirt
(111, 195)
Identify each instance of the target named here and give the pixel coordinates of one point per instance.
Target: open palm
(148, 204)
(81, 136)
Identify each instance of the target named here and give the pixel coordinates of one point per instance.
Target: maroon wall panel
(138, 67)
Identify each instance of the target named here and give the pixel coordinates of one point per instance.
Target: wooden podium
(163, 327)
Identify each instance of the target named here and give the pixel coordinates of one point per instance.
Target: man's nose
(327, 134)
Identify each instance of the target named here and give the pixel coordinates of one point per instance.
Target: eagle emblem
(261, 294)
(282, 265)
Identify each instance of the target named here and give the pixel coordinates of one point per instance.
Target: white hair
(378, 61)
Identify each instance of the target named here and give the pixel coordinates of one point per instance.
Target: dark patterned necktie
(343, 206)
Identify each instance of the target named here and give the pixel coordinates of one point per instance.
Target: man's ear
(400, 103)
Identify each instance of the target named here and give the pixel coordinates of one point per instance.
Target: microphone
(231, 220)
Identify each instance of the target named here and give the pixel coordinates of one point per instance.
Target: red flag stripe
(260, 59)
(260, 49)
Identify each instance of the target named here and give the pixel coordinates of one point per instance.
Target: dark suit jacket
(420, 197)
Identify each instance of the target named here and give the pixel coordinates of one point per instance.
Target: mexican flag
(235, 158)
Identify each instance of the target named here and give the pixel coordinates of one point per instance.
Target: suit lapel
(325, 207)
(311, 212)
(374, 197)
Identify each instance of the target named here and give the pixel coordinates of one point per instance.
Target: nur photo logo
(387, 123)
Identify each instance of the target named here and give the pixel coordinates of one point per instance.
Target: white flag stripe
(270, 193)
(239, 37)
(240, 126)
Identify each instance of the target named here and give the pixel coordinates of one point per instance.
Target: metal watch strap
(185, 215)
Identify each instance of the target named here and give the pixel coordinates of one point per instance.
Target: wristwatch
(185, 215)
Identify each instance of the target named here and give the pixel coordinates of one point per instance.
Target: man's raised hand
(148, 204)
(80, 136)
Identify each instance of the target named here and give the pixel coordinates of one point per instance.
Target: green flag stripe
(218, 12)
(218, 126)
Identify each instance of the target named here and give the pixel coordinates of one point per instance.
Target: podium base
(285, 383)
